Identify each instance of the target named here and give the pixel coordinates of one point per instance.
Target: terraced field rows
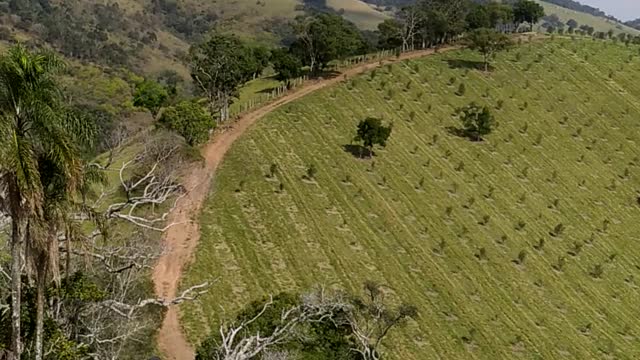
(522, 246)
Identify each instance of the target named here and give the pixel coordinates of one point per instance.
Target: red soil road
(180, 240)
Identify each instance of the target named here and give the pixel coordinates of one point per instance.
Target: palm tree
(33, 132)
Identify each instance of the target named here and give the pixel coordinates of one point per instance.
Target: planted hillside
(523, 245)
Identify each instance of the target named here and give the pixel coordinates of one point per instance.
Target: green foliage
(325, 37)
(75, 293)
(220, 65)
(372, 132)
(477, 121)
(190, 120)
(499, 14)
(478, 17)
(286, 65)
(390, 34)
(488, 42)
(321, 340)
(150, 95)
(527, 11)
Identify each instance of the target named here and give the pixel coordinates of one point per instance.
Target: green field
(443, 220)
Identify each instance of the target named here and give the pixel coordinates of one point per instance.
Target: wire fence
(281, 90)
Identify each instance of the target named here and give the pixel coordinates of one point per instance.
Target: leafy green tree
(286, 65)
(372, 132)
(488, 42)
(391, 32)
(34, 131)
(499, 14)
(589, 30)
(527, 11)
(188, 119)
(442, 20)
(477, 121)
(257, 59)
(478, 17)
(571, 23)
(150, 95)
(325, 37)
(219, 66)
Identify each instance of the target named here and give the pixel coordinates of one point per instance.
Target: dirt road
(181, 240)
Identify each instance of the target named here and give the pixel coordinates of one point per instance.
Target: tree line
(221, 64)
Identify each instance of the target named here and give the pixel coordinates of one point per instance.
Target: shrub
(189, 120)
(477, 121)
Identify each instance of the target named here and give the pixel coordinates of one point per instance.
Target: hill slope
(460, 229)
(359, 12)
(599, 23)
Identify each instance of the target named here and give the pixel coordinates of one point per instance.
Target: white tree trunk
(19, 229)
(41, 288)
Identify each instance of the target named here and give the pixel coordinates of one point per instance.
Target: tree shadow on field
(462, 133)
(325, 74)
(358, 151)
(268, 90)
(467, 64)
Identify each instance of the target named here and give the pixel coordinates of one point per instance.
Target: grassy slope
(358, 12)
(600, 24)
(381, 224)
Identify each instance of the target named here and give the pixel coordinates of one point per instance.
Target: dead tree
(119, 252)
(152, 184)
(316, 306)
(409, 18)
(371, 320)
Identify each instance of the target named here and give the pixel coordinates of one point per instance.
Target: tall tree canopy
(220, 65)
(488, 42)
(325, 37)
(150, 95)
(286, 65)
(527, 11)
(36, 137)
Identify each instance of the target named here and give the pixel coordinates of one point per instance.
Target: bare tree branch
(127, 310)
(315, 307)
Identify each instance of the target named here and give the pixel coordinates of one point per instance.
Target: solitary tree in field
(372, 132)
(527, 11)
(477, 121)
(488, 42)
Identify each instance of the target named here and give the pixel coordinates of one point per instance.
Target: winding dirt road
(180, 240)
